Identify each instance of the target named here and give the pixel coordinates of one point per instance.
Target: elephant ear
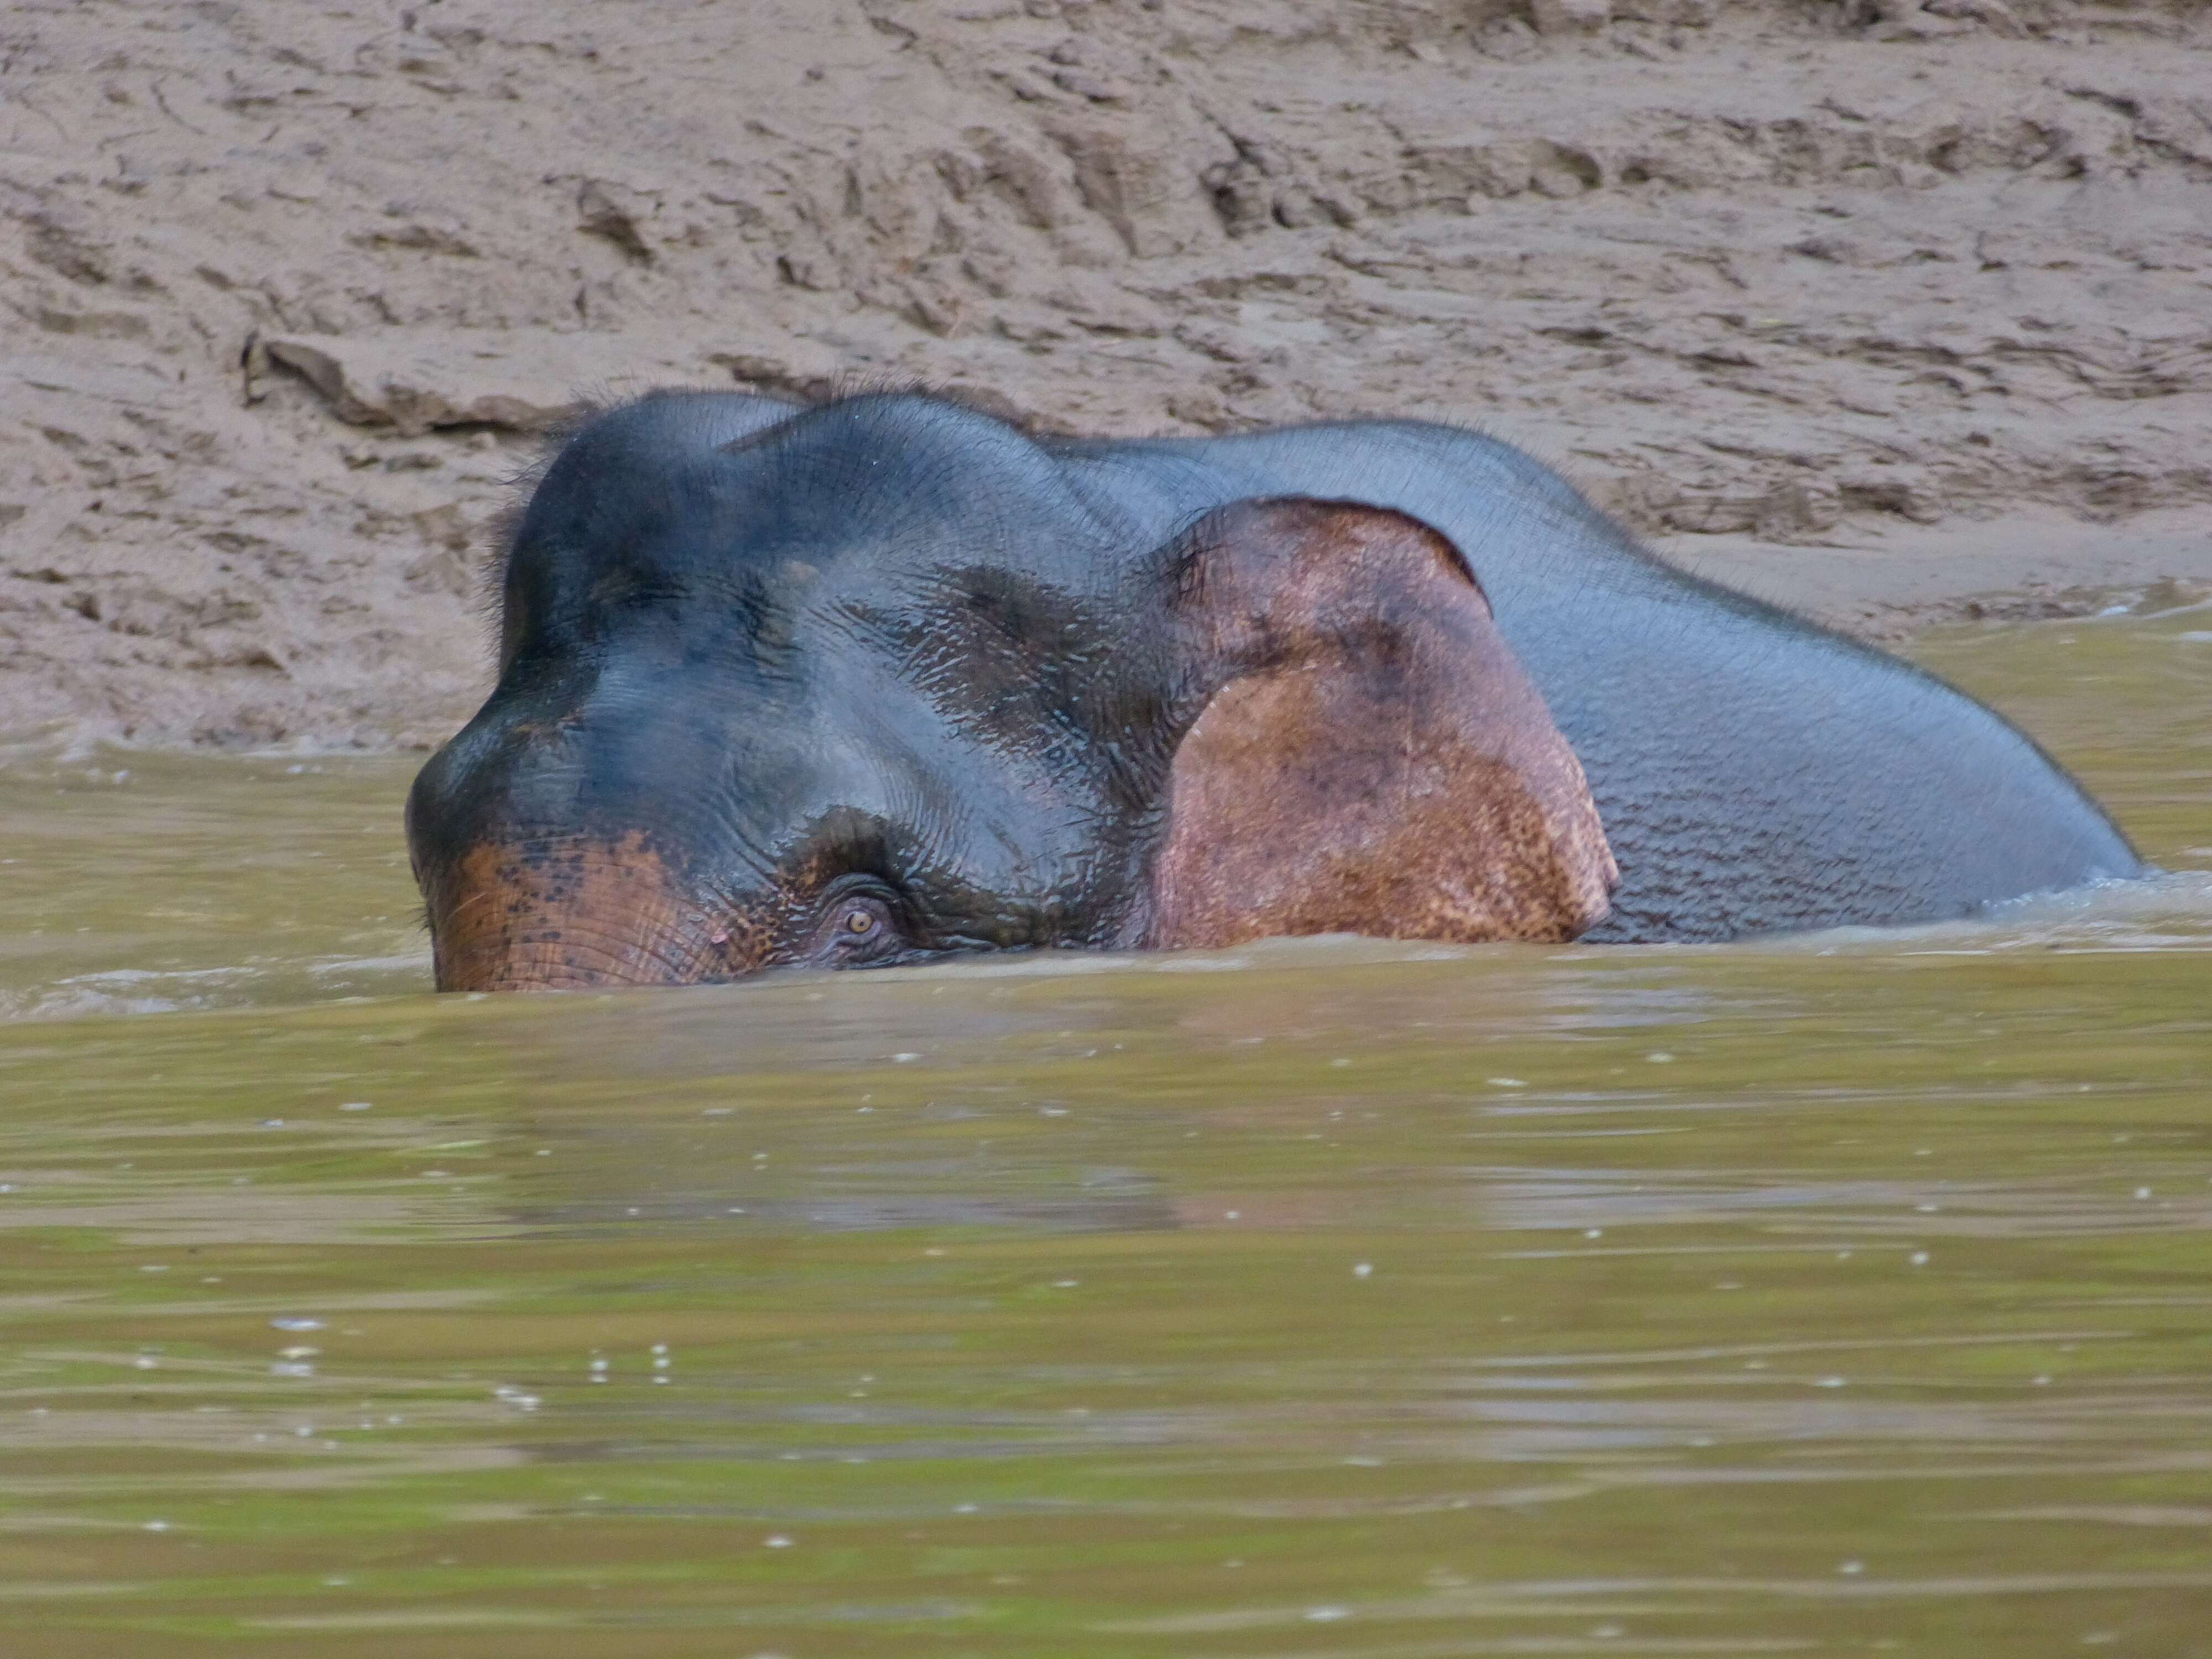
(1367, 755)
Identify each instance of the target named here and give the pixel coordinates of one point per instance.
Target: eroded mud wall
(290, 287)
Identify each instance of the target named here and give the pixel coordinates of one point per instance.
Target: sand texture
(293, 288)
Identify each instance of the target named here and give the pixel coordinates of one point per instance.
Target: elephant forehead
(867, 487)
(987, 650)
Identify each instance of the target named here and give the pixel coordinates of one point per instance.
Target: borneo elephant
(886, 679)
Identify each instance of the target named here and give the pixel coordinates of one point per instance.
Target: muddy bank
(1875, 305)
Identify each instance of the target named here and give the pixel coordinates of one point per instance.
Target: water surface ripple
(1849, 1293)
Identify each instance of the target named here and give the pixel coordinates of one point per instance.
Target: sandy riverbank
(1874, 307)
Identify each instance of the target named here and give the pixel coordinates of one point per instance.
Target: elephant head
(875, 682)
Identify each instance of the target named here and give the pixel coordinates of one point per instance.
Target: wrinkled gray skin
(1754, 772)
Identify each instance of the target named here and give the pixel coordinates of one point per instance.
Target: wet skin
(886, 678)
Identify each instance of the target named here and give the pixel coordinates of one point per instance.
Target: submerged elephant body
(886, 678)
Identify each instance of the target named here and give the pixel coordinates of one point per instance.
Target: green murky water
(1842, 1295)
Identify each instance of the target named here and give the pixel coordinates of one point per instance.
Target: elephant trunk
(573, 913)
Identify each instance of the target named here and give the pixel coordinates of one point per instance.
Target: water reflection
(1323, 1298)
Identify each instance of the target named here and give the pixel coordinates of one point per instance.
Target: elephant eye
(857, 928)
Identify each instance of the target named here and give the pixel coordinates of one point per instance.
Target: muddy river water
(1833, 1295)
